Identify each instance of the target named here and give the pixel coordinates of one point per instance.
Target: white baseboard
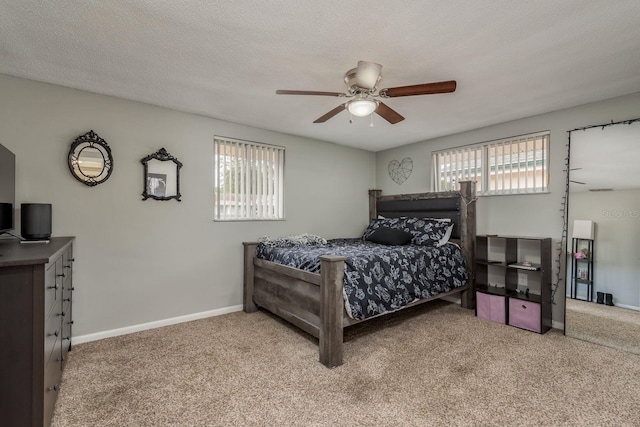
(557, 325)
(152, 325)
(630, 307)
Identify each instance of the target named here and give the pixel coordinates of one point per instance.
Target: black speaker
(35, 221)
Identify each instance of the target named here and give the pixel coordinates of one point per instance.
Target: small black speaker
(35, 221)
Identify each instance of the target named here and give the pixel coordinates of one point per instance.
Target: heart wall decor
(400, 171)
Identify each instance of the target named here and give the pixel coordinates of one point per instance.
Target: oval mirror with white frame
(161, 176)
(90, 160)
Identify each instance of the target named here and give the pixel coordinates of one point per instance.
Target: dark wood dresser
(35, 327)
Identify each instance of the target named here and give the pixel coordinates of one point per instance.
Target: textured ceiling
(511, 58)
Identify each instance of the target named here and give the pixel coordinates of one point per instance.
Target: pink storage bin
(524, 314)
(490, 307)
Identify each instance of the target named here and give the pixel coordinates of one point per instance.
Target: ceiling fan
(362, 88)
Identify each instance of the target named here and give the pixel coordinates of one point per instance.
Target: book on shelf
(525, 266)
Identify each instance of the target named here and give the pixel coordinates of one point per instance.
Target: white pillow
(446, 236)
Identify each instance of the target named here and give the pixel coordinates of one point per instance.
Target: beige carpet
(437, 366)
(611, 326)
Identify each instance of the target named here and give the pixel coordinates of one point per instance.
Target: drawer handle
(524, 307)
(70, 322)
(62, 313)
(56, 287)
(61, 275)
(54, 334)
(67, 266)
(67, 299)
(55, 387)
(73, 289)
(66, 339)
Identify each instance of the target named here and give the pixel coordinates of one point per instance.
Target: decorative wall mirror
(161, 176)
(90, 160)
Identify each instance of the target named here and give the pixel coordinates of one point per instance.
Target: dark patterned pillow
(380, 222)
(425, 231)
(390, 236)
(431, 233)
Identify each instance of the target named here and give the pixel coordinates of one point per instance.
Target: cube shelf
(513, 281)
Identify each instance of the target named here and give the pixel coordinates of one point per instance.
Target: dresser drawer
(66, 332)
(52, 332)
(67, 269)
(67, 294)
(52, 289)
(490, 307)
(524, 314)
(52, 377)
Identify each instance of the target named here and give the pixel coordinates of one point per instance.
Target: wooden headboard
(459, 206)
(416, 207)
(450, 204)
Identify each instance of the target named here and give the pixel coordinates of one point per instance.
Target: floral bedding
(380, 278)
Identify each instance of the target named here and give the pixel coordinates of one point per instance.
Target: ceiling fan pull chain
(350, 117)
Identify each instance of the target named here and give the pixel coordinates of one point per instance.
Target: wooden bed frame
(314, 302)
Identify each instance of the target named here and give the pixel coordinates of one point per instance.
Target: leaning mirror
(90, 160)
(161, 176)
(603, 224)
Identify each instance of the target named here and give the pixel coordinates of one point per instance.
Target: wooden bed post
(468, 238)
(331, 310)
(249, 254)
(373, 205)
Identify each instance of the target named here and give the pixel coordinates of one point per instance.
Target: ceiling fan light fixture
(362, 107)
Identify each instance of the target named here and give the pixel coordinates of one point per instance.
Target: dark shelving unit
(582, 268)
(513, 281)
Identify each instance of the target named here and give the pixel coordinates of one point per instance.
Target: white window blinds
(517, 165)
(248, 180)
(460, 164)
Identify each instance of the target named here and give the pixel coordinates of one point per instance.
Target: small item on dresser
(35, 221)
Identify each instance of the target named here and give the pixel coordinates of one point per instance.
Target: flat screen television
(7, 189)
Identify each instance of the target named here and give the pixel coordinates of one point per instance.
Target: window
(248, 180)
(518, 165)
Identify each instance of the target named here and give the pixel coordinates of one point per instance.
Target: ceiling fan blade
(368, 74)
(330, 114)
(421, 89)
(308, 92)
(577, 182)
(388, 114)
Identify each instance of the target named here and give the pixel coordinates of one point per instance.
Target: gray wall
(144, 261)
(531, 215)
(617, 236)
